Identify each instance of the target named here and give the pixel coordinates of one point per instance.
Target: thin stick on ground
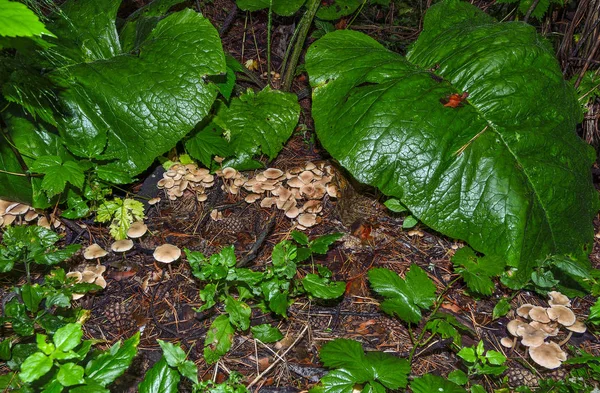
(261, 375)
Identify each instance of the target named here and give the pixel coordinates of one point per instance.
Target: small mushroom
(531, 337)
(307, 220)
(558, 299)
(122, 245)
(229, 173)
(577, 327)
(251, 198)
(167, 253)
(550, 328)
(272, 173)
(137, 229)
(17, 209)
(548, 355)
(507, 342)
(539, 314)
(562, 315)
(513, 325)
(94, 251)
(523, 311)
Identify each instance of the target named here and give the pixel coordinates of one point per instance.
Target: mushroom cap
(75, 274)
(137, 229)
(88, 276)
(16, 209)
(167, 253)
(307, 220)
(577, 327)
(292, 212)
(562, 315)
(272, 173)
(229, 173)
(506, 342)
(531, 337)
(550, 328)
(523, 311)
(539, 314)
(94, 251)
(122, 245)
(251, 198)
(100, 281)
(558, 299)
(96, 269)
(548, 355)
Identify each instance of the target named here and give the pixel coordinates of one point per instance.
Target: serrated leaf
(16, 20)
(105, 368)
(468, 354)
(57, 174)
(160, 379)
(266, 333)
(34, 367)
(477, 172)
(323, 288)
(300, 238)
(207, 143)
(218, 339)
(404, 298)
(341, 353)
(494, 357)
(477, 271)
(389, 370)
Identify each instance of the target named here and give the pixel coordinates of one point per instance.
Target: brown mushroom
(513, 325)
(530, 336)
(251, 198)
(272, 173)
(523, 311)
(122, 245)
(577, 327)
(537, 313)
(558, 299)
(307, 220)
(548, 355)
(94, 251)
(137, 229)
(507, 342)
(167, 253)
(562, 315)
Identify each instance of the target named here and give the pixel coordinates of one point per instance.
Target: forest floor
(159, 301)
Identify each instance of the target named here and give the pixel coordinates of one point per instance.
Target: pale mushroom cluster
(298, 191)
(538, 323)
(183, 177)
(91, 274)
(20, 213)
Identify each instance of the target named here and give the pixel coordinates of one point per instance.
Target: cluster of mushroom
(545, 322)
(182, 177)
(20, 213)
(298, 191)
(91, 274)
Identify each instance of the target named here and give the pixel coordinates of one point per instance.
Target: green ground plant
(270, 290)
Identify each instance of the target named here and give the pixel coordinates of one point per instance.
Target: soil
(160, 301)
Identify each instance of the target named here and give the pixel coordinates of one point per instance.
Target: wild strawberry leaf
(477, 271)
(58, 174)
(16, 20)
(403, 297)
(504, 171)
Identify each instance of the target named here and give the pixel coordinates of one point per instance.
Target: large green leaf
(505, 171)
(133, 106)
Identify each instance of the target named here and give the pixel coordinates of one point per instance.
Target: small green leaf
(395, 205)
(477, 389)
(35, 366)
(189, 370)
(58, 174)
(218, 339)
(160, 379)
(494, 357)
(432, 383)
(479, 350)
(5, 346)
(45, 347)
(32, 295)
(70, 374)
(409, 222)
(477, 271)
(321, 244)
(266, 333)
(67, 337)
(594, 317)
(279, 303)
(207, 295)
(341, 353)
(468, 354)
(239, 313)
(16, 20)
(173, 354)
(501, 308)
(458, 377)
(300, 238)
(323, 288)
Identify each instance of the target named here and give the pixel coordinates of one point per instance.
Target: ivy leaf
(160, 379)
(323, 288)
(57, 174)
(477, 271)
(218, 339)
(266, 333)
(108, 366)
(404, 298)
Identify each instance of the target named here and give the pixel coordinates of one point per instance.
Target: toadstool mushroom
(562, 315)
(558, 299)
(137, 229)
(94, 251)
(122, 245)
(548, 355)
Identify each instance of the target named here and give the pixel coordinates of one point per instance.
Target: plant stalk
(303, 27)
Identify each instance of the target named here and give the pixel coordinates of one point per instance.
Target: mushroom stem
(566, 340)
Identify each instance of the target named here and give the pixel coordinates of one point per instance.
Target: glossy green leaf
(321, 244)
(32, 295)
(239, 313)
(477, 271)
(207, 143)
(70, 374)
(266, 333)
(323, 288)
(341, 353)
(35, 366)
(108, 366)
(173, 354)
(404, 297)
(218, 339)
(160, 379)
(280, 7)
(459, 377)
(395, 205)
(16, 20)
(5, 346)
(189, 370)
(335, 9)
(338, 381)
(116, 109)
(57, 174)
(594, 316)
(432, 383)
(389, 370)
(505, 171)
(501, 308)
